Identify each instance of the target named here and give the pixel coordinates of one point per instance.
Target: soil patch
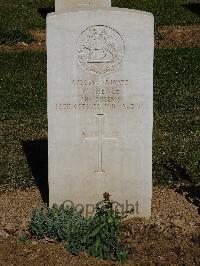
(179, 36)
(170, 237)
(38, 45)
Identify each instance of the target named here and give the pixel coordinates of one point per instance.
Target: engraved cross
(100, 139)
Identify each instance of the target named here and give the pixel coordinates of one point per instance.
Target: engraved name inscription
(99, 96)
(95, 107)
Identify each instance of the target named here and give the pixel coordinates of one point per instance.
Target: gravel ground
(170, 237)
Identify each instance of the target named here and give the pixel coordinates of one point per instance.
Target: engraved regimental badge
(100, 50)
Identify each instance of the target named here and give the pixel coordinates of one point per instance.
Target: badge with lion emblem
(100, 50)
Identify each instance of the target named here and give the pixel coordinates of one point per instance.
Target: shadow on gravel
(36, 152)
(193, 7)
(44, 11)
(192, 194)
(180, 176)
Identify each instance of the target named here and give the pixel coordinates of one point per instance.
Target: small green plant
(56, 222)
(98, 235)
(103, 236)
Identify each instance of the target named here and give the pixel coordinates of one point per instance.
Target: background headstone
(100, 107)
(65, 5)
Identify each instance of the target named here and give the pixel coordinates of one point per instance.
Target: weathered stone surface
(100, 107)
(66, 5)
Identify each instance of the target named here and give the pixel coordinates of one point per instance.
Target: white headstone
(66, 5)
(100, 107)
